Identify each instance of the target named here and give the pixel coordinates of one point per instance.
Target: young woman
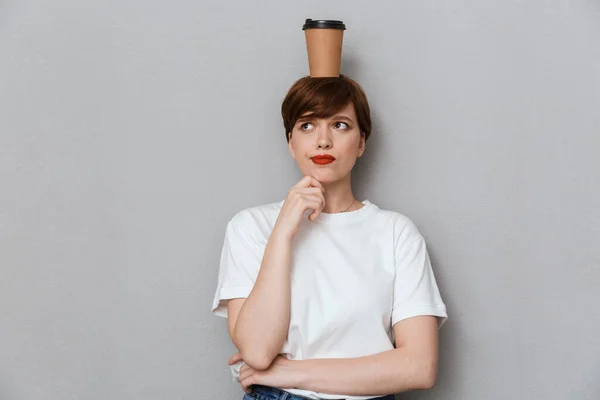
(328, 297)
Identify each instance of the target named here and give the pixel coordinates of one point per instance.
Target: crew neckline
(343, 217)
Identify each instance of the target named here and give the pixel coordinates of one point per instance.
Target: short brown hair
(323, 97)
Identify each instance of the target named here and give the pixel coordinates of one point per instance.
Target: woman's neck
(339, 198)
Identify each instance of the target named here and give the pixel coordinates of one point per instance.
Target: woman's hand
(307, 194)
(282, 373)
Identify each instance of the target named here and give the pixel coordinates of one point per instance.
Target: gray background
(132, 131)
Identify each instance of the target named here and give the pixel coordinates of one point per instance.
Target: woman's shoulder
(395, 216)
(403, 225)
(250, 217)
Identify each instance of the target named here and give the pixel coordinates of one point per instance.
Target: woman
(342, 303)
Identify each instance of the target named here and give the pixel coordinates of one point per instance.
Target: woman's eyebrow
(335, 117)
(342, 117)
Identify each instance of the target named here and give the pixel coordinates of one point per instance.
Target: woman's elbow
(257, 360)
(258, 357)
(428, 376)
(428, 382)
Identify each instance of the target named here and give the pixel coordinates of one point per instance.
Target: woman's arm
(260, 327)
(259, 324)
(411, 365)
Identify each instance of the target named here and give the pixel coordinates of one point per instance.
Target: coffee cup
(324, 46)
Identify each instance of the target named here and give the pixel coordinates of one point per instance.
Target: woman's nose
(324, 140)
(324, 144)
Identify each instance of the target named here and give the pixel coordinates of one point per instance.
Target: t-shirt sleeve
(240, 262)
(415, 289)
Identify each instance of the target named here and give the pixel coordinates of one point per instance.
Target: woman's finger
(309, 190)
(245, 373)
(244, 367)
(314, 182)
(308, 181)
(312, 196)
(247, 382)
(234, 358)
(313, 204)
(304, 182)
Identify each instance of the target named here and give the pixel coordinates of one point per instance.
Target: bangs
(322, 99)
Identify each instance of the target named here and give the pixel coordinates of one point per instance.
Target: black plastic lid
(323, 24)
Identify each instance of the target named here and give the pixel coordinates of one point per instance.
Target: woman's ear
(361, 145)
(290, 147)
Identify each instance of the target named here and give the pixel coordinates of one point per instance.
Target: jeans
(260, 392)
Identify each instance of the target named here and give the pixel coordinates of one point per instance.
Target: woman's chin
(324, 175)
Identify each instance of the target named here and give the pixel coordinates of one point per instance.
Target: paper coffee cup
(324, 46)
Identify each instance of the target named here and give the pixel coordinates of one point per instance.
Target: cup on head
(324, 40)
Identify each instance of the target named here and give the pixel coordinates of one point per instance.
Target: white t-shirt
(354, 275)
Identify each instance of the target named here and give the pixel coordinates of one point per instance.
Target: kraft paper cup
(324, 40)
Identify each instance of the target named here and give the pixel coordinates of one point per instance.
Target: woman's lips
(323, 159)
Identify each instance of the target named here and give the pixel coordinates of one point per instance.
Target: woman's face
(338, 139)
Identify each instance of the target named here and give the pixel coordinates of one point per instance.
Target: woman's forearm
(263, 321)
(392, 371)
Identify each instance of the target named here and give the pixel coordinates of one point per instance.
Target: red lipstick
(323, 159)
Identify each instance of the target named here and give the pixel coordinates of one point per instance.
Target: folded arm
(411, 365)
(258, 325)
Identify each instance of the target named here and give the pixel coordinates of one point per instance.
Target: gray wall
(132, 131)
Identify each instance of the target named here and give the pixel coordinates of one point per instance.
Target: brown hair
(323, 97)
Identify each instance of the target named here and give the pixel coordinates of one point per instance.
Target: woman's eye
(306, 126)
(341, 125)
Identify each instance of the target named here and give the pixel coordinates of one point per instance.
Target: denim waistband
(260, 392)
